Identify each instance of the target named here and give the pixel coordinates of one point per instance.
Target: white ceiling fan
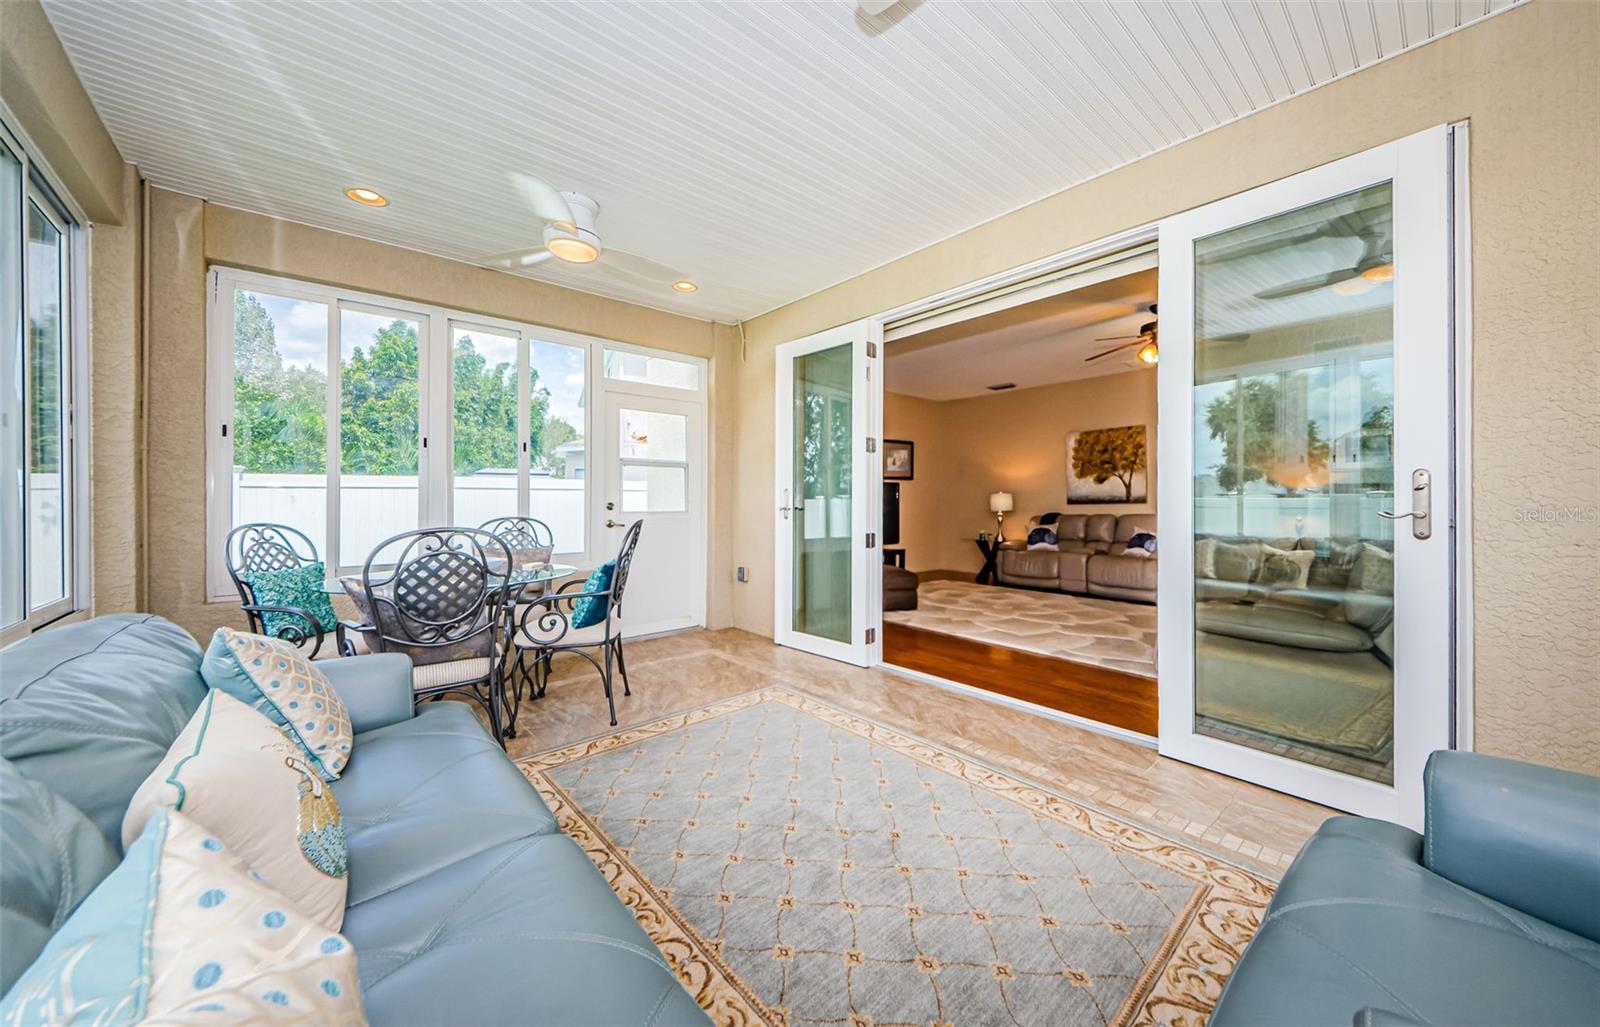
(570, 236)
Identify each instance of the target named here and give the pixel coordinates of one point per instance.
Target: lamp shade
(1001, 502)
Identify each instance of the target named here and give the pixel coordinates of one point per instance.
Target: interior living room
(857, 512)
(1019, 506)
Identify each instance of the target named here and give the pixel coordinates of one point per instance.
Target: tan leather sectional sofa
(1090, 558)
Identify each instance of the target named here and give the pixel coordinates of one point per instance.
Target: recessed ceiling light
(684, 285)
(367, 197)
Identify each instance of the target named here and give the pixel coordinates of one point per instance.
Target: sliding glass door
(1306, 633)
(826, 502)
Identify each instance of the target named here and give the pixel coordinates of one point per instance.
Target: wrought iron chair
(253, 548)
(530, 540)
(435, 595)
(541, 628)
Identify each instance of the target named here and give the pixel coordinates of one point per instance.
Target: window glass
(624, 366)
(651, 489)
(13, 536)
(280, 413)
(484, 450)
(378, 430)
(653, 435)
(49, 502)
(557, 449)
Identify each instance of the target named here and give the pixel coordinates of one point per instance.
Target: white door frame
(1419, 168)
(865, 647)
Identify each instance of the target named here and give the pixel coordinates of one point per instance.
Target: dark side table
(990, 548)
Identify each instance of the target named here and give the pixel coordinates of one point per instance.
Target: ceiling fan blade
(1114, 338)
(640, 267)
(541, 198)
(1307, 284)
(1113, 349)
(516, 260)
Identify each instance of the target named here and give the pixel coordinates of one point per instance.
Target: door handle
(785, 508)
(614, 524)
(1421, 505)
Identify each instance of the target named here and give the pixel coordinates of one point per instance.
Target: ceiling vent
(1001, 387)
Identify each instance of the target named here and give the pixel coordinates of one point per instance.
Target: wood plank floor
(1108, 696)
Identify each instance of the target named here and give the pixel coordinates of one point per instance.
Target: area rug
(1103, 632)
(801, 865)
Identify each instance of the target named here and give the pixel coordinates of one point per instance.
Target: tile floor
(680, 671)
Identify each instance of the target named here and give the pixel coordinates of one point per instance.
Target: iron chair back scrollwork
(542, 627)
(435, 595)
(520, 532)
(253, 548)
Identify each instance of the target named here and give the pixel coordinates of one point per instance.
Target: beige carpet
(802, 866)
(1102, 632)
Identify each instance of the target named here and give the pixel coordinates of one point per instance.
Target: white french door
(1306, 405)
(654, 470)
(827, 566)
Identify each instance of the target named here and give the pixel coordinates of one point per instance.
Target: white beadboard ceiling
(765, 150)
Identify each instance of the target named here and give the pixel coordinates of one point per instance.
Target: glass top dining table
(521, 578)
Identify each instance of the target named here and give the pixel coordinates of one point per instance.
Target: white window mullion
(330, 558)
(524, 423)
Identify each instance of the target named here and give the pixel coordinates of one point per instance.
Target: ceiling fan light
(1150, 354)
(684, 285)
(572, 250)
(1354, 286)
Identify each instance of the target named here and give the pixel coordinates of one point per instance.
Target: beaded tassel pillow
(591, 610)
(273, 678)
(300, 587)
(183, 932)
(234, 771)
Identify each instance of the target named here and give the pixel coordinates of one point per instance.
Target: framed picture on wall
(1107, 465)
(898, 460)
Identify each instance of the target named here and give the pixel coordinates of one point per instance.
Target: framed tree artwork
(898, 460)
(1107, 465)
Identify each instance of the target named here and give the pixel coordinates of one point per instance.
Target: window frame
(436, 479)
(42, 187)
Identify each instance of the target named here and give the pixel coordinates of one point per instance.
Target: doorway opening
(1018, 493)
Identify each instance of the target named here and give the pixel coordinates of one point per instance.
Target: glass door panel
(1305, 598)
(823, 490)
(486, 450)
(13, 437)
(379, 429)
(557, 447)
(1293, 444)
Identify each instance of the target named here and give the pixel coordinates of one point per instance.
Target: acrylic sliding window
(40, 557)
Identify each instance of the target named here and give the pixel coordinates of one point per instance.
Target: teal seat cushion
(591, 610)
(300, 587)
(51, 857)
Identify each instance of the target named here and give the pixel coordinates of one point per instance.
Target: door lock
(611, 506)
(1421, 505)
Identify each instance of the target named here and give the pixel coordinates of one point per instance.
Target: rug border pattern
(1179, 986)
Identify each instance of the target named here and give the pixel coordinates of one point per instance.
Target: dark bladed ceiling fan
(1149, 351)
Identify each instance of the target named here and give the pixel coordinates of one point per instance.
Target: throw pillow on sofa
(1205, 558)
(273, 678)
(1368, 598)
(233, 770)
(1284, 568)
(300, 587)
(1237, 562)
(183, 931)
(1043, 538)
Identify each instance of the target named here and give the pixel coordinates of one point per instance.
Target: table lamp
(1001, 503)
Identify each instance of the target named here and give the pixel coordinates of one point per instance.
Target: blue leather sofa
(1490, 917)
(467, 904)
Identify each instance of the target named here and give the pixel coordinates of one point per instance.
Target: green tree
(279, 420)
(378, 403)
(485, 411)
(1256, 405)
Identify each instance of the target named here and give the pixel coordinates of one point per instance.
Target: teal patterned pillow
(591, 610)
(299, 587)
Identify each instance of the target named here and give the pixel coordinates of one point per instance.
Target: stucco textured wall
(1528, 81)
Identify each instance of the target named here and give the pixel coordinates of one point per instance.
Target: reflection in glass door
(1305, 637)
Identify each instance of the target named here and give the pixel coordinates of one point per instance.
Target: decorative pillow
(1237, 562)
(296, 586)
(1144, 540)
(1284, 568)
(1368, 598)
(1042, 538)
(591, 610)
(183, 932)
(474, 646)
(1205, 558)
(232, 770)
(272, 678)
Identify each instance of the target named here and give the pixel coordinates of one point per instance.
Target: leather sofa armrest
(1519, 833)
(1012, 545)
(376, 689)
(1372, 1016)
